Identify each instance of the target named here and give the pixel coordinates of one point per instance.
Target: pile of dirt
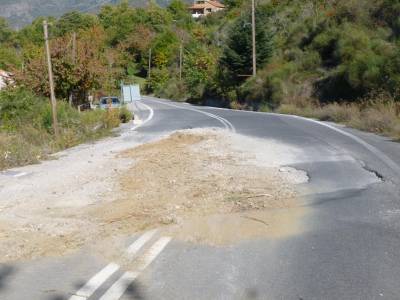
(194, 184)
(207, 191)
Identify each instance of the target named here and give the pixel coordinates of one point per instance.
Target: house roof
(216, 4)
(207, 3)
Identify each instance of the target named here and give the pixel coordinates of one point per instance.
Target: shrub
(26, 127)
(111, 119)
(125, 115)
(379, 116)
(16, 151)
(175, 89)
(291, 109)
(159, 79)
(20, 106)
(337, 113)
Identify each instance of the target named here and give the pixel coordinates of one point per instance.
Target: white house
(204, 7)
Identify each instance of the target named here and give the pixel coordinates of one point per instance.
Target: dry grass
(16, 151)
(380, 115)
(29, 144)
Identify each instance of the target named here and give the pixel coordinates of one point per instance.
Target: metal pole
(51, 81)
(253, 24)
(180, 61)
(149, 72)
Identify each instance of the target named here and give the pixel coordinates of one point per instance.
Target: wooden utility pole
(51, 81)
(180, 61)
(70, 100)
(74, 48)
(253, 25)
(149, 72)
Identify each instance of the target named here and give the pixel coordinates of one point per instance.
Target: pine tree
(237, 56)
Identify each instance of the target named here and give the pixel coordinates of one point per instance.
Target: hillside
(22, 12)
(330, 60)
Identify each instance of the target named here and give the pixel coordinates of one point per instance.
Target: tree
(118, 21)
(133, 51)
(233, 3)
(236, 59)
(33, 34)
(199, 68)
(8, 58)
(74, 21)
(91, 70)
(165, 47)
(6, 33)
(178, 8)
(180, 13)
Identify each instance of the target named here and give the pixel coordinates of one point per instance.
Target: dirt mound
(194, 184)
(209, 192)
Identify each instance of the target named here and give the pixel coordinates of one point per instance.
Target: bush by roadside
(125, 115)
(26, 134)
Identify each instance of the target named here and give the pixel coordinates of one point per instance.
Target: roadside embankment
(26, 133)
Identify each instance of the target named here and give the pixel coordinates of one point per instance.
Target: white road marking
(20, 174)
(97, 280)
(139, 243)
(118, 288)
(151, 115)
(382, 156)
(116, 291)
(228, 125)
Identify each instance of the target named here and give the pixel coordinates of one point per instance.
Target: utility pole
(180, 61)
(51, 81)
(74, 48)
(253, 25)
(70, 100)
(149, 72)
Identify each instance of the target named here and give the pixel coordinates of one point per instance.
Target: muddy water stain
(227, 229)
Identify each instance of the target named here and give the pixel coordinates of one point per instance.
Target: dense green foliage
(309, 52)
(330, 50)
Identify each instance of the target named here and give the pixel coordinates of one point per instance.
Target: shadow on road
(135, 291)
(58, 297)
(5, 272)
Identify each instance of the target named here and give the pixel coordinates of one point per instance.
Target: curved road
(350, 249)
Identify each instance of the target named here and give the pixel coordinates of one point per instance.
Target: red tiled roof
(204, 5)
(216, 4)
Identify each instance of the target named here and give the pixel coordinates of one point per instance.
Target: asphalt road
(350, 249)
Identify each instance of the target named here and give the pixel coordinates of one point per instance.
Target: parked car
(110, 102)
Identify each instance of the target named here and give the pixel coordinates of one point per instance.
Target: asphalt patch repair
(195, 185)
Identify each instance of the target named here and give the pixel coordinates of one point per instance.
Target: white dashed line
(20, 174)
(116, 291)
(139, 243)
(97, 280)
